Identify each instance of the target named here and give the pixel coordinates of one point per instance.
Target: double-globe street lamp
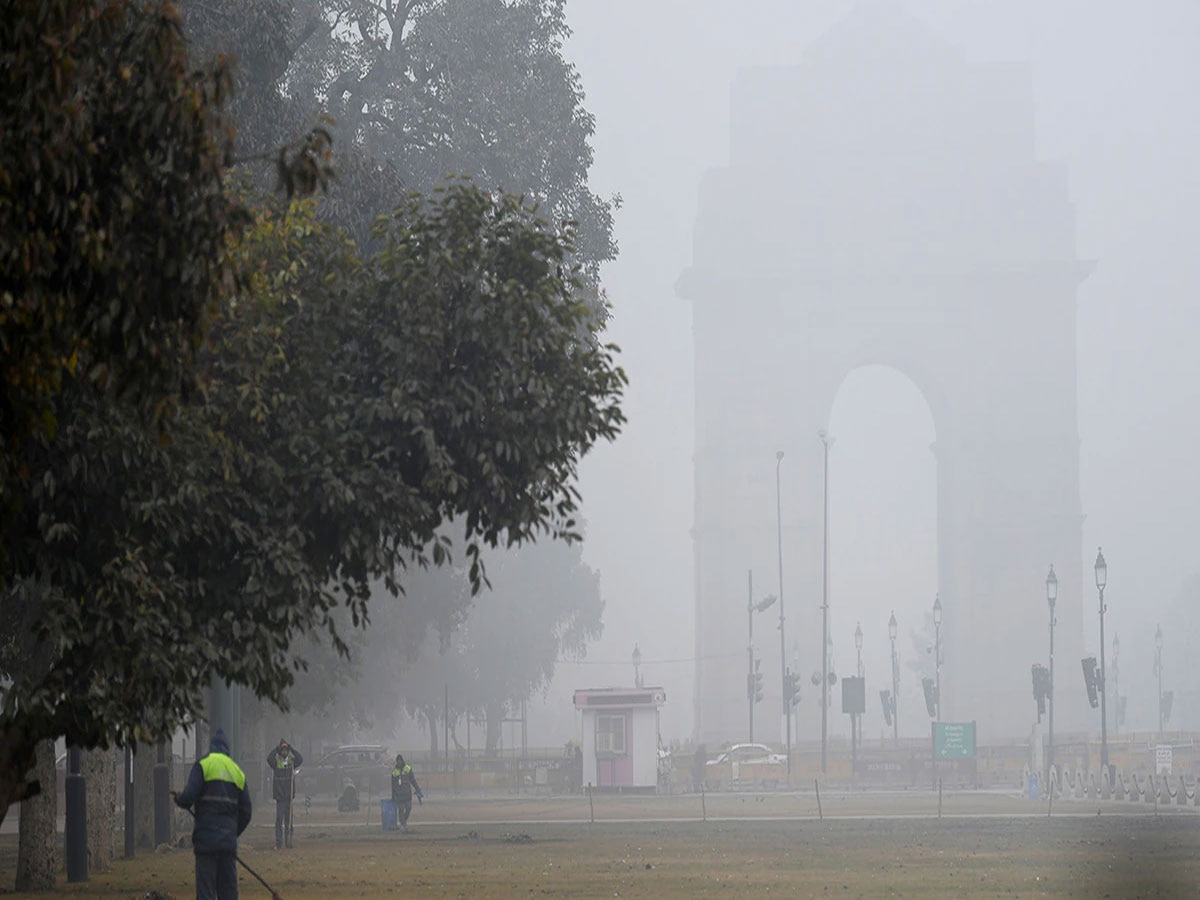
(893, 629)
(1051, 599)
(1101, 568)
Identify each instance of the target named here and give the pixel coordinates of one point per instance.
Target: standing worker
(404, 782)
(216, 796)
(283, 761)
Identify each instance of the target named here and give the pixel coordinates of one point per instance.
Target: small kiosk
(620, 737)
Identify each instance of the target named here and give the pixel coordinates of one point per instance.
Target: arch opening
(883, 539)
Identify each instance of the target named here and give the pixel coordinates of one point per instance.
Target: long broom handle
(275, 895)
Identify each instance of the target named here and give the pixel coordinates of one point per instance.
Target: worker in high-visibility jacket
(404, 782)
(217, 797)
(283, 761)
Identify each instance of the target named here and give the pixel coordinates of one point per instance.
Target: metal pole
(787, 707)
(162, 796)
(1050, 748)
(937, 668)
(75, 832)
(1103, 696)
(858, 646)
(750, 647)
(1158, 669)
(895, 697)
(129, 801)
(825, 611)
(1116, 683)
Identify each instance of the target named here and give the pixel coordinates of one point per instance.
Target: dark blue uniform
(404, 782)
(283, 761)
(217, 796)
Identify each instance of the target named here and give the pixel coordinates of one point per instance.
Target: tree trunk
(144, 758)
(431, 721)
(494, 716)
(100, 770)
(16, 765)
(37, 848)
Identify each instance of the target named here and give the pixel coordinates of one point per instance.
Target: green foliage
(113, 219)
(544, 604)
(419, 90)
(351, 408)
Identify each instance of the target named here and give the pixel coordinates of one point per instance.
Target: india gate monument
(883, 204)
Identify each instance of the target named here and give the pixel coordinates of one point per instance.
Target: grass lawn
(750, 845)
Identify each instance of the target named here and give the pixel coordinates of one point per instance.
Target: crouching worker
(216, 796)
(404, 782)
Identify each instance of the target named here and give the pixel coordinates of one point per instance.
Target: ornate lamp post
(937, 653)
(1051, 598)
(1158, 642)
(787, 706)
(637, 665)
(892, 631)
(1101, 580)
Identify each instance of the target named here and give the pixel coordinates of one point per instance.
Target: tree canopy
(352, 406)
(418, 90)
(224, 418)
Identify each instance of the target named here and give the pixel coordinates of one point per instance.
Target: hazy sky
(1114, 87)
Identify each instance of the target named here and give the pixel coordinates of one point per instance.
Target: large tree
(113, 215)
(544, 604)
(418, 90)
(352, 407)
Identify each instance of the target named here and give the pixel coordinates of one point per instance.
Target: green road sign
(953, 740)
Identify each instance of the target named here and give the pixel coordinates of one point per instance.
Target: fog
(1113, 99)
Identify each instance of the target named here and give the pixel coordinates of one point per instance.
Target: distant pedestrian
(283, 761)
(217, 797)
(404, 783)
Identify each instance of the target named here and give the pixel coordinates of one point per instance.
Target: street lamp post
(1158, 642)
(937, 654)
(787, 706)
(892, 631)
(637, 666)
(825, 441)
(751, 609)
(1051, 599)
(1101, 580)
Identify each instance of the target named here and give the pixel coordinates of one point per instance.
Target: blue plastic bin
(388, 814)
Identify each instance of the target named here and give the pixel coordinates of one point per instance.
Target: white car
(745, 765)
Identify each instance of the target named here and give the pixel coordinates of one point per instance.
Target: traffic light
(1092, 679)
(931, 697)
(1041, 687)
(1168, 698)
(758, 683)
(885, 697)
(791, 687)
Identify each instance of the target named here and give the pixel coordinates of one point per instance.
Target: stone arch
(883, 204)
